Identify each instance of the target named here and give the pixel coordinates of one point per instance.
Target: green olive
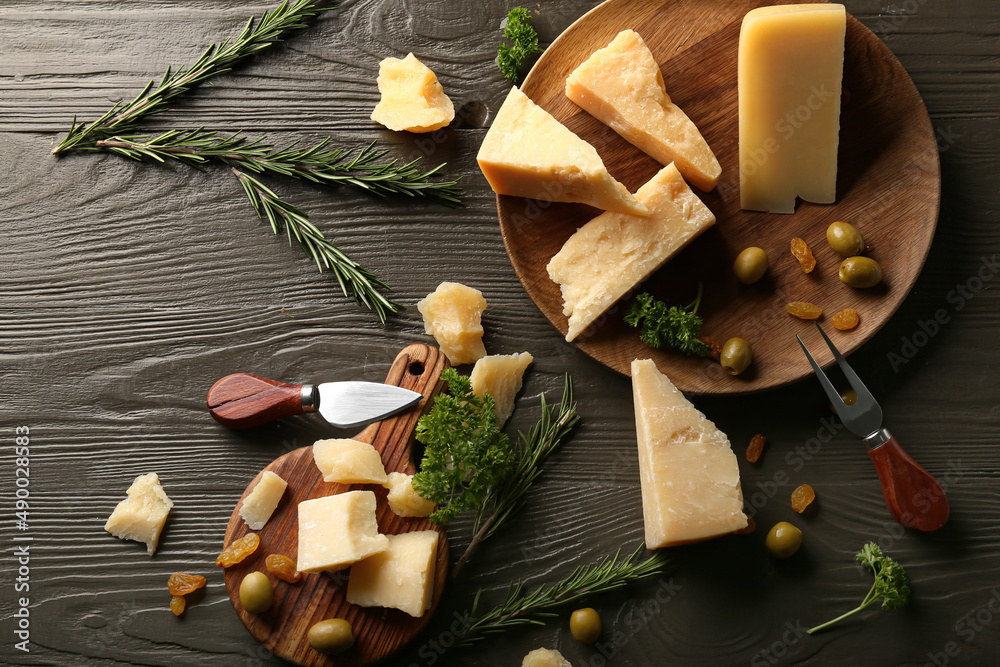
(332, 636)
(736, 356)
(845, 239)
(750, 265)
(783, 540)
(585, 625)
(256, 593)
(860, 272)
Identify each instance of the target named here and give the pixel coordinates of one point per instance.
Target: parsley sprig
(674, 327)
(891, 584)
(517, 28)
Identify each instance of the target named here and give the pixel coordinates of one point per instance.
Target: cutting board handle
(914, 498)
(244, 400)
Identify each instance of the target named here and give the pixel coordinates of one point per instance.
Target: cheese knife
(244, 400)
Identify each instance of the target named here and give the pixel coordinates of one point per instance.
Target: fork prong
(828, 387)
(852, 377)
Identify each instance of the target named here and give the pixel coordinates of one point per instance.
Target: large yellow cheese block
(689, 475)
(614, 252)
(412, 98)
(622, 86)
(453, 315)
(141, 515)
(791, 63)
(528, 153)
(336, 531)
(500, 376)
(401, 577)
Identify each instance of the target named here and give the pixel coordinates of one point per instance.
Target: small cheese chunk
(689, 475)
(141, 515)
(500, 376)
(336, 531)
(401, 577)
(346, 461)
(791, 63)
(412, 98)
(543, 657)
(528, 153)
(453, 315)
(259, 505)
(614, 252)
(404, 499)
(622, 86)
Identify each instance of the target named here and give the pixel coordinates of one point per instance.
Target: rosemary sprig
(354, 279)
(533, 608)
(319, 163)
(217, 59)
(532, 448)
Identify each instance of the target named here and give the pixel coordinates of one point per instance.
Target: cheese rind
(336, 531)
(346, 461)
(412, 98)
(528, 153)
(622, 86)
(791, 64)
(453, 315)
(404, 499)
(141, 515)
(500, 376)
(543, 657)
(401, 577)
(259, 505)
(614, 252)
(689, 475)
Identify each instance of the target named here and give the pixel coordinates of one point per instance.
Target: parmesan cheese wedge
(614, 252)
(528, 153)
(141, 515)
(336, 531)
(453, 315)
(412, 98)
(404, 499)
(622, 86)
(500, 376)
(689, 475)
(401, 577)
(259, 505)
(347, 461)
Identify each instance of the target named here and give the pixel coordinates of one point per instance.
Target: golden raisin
(802, 497)
(283, 568)
(239, 550)
(182, 583)
(804, 310)
(846, 319)
(801, 252)
(177, 605)
(756, 448)
(751, 526)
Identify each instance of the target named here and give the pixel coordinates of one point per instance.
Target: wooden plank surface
(126, 290)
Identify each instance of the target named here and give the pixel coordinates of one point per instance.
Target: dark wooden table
(128, 289)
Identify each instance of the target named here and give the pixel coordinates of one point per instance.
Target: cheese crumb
(404, 499)
(259, 505)
(453, 315)
(412, 98)
(543, 657)
(141, 515)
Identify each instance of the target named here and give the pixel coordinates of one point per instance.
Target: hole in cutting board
(416, 368)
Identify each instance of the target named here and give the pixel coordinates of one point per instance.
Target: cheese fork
(914, 498)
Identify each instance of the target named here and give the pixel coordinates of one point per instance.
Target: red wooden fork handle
(914, 498)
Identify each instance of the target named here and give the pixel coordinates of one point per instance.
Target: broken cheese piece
(141, 515)
(401, 577)
(336, 531)
(404, 499)
(614, 252)
(543, 657)
(500, 376)
(453, 315)
(346, 461)
(412, 98)
(259, 505)
(689, 475)
(622, 86)
(528, 153)
(791, 66)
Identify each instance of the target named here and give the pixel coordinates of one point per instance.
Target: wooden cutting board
(378, 632)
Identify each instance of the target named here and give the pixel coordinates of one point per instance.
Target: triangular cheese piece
(528, 153)
(614, 252)
(690, 477)
(622, 86)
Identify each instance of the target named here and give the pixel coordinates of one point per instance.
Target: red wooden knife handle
(914, 498)
(243, 400)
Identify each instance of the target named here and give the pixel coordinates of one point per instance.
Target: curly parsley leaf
(674, 327)
(465, 453)
(517, 28)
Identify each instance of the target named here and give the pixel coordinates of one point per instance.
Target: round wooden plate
(888, 186)
(378, 632)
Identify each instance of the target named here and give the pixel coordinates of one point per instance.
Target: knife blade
(244, 400)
